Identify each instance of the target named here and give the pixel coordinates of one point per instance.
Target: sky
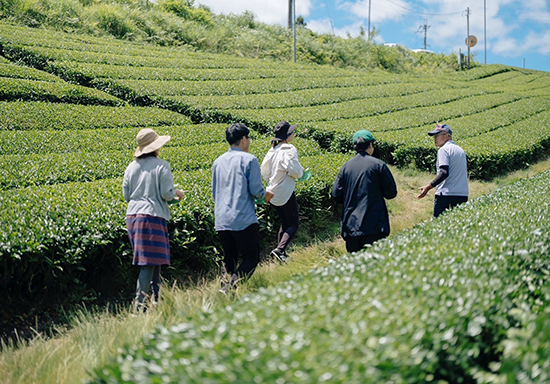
(511, 32)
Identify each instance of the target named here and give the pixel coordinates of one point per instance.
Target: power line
(423, 13)
(329, 18)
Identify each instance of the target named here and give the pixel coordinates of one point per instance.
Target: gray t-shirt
(456, 184)
(147, 187)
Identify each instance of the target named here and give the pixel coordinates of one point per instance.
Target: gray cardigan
(148, 186)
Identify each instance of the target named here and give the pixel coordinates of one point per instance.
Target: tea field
(461, 299)
(71, 105)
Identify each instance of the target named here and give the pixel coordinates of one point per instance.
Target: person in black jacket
(361, 186)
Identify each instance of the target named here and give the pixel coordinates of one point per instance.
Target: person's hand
(268, 196)
(179, 194)
(424, 190)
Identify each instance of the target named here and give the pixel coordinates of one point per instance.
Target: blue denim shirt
(236, 183)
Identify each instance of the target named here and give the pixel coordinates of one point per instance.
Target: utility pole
(290, 14)
(369, 22)
(294, 24)
(485, 28)
(468, 35)
(425, 28)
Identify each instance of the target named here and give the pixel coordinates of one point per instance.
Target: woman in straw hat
(148, 186)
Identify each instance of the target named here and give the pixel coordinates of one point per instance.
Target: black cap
(283, 130)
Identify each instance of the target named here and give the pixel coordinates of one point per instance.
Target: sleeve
(167, 189)
(389, 187)
(442, 174)
(126, 186)
(266, 167)
(338, 187)
(294, 168)
(255, 186)
(214, 181)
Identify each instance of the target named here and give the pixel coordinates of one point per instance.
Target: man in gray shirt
(452, 174)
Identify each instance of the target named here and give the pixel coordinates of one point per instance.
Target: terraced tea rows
(69, 118)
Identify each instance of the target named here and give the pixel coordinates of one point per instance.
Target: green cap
(364, 134)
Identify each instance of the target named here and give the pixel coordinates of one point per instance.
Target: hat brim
(291, 130)
(157, 144)
(434, 132)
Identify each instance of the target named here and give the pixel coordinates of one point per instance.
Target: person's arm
(255, 186)
(442, 174)
(167, 189)
(266, 166)
(294, 168)
(389, 187)
(338, 188)
(126, 187)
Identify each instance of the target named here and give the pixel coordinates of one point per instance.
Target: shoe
(232, 284)
(279, 255)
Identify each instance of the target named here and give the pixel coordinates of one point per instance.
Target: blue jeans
(443, 202)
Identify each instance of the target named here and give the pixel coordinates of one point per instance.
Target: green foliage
(185, 10)
(439, 303)
(179, 22)
(18, 115)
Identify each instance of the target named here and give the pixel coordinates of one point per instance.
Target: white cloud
(270, 12)
(539, 43)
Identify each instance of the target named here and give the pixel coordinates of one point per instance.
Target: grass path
(94, 337)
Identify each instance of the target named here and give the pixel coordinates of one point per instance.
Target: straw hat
(149, 141)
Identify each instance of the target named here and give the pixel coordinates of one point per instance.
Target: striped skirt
(149, 238)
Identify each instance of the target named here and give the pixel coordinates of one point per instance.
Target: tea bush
(437, 303)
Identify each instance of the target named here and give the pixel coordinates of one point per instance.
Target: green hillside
(410, 310)
(71, 105)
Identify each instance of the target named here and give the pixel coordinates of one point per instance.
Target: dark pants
(246, 244)
(290, 220)
(148, 275)
(355, 243)
(443, 202)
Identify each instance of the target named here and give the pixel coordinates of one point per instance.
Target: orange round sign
(471, 41)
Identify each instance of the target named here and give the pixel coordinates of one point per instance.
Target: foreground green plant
(438, 302)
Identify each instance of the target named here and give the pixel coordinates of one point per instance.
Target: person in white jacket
(280, 169)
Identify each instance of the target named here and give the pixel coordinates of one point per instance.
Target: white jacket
(280, 169)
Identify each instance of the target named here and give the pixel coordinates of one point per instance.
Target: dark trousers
(443, 202)
(246, 244)
(355, 243)
(290, 220)
(148, 275)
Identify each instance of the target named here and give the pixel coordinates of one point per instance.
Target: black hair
(276, 141)
(236, 132)
(361, 144)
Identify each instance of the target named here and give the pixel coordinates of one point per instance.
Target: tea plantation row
(460, 299)
(329, 103)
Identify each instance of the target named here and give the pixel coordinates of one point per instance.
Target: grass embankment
(95, 336)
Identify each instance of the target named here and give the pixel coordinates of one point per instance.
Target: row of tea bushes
(95, 162)
(58, 92)
(43, 141)
(403, 123)
(20, 115)
(71, 237)
(438, 303)
(306, 97)
(14, 71)
(353, 108)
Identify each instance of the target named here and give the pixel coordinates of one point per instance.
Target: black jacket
(362, 185)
